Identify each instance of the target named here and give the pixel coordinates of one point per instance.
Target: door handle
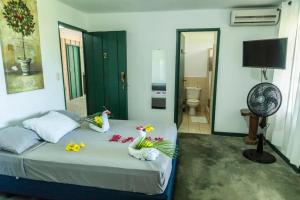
(122, 77)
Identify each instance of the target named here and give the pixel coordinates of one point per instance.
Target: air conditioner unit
(255, 17)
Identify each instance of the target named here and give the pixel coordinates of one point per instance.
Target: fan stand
(259, 155)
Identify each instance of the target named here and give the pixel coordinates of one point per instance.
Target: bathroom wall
(197, 45)
(196, 53)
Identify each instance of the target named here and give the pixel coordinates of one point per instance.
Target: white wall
(15, 107)
(196, 53)
(157, 30)
(145, 32)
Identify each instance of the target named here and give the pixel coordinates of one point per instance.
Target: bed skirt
(59, 191)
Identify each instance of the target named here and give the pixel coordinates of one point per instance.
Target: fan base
(264, 157)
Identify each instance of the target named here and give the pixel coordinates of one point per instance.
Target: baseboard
(294, 167)
(230, 134)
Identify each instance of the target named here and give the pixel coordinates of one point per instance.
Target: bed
(102, 170)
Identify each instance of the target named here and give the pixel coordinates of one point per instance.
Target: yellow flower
(76, 148)
(98, 120)
(149, 128)
(147, 144)
(68, 148)
(82, 145)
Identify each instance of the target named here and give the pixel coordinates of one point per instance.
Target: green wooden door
(74, 71)
(114, 49)
(105, 55)
(93, 72)
(122, 71)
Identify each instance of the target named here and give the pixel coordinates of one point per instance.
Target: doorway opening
(196, 80)
(72, 57)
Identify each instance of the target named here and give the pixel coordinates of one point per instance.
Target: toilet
(193, 99)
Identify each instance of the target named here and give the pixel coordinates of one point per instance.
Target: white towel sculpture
(105, 125)
(144, 153)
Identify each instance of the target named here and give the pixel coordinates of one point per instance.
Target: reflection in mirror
(158, 66)
(158, 79)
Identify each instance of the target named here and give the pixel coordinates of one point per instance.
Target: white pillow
(52, 126)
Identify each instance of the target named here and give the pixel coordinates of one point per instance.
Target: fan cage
(264, 99)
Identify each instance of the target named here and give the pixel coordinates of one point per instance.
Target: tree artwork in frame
(20, 45)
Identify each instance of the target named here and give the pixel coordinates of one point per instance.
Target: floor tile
(187, 126)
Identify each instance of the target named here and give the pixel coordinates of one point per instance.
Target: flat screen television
(265, 53)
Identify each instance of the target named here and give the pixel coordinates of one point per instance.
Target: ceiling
(106, 6)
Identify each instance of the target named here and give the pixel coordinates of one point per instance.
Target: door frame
(177, 63)
(68, 26)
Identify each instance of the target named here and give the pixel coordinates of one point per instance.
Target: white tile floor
(187, 126)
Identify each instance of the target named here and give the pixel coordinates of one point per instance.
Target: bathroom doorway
(71, 45)
(196, 78)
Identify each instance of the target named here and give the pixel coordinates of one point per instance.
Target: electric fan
(263, 100)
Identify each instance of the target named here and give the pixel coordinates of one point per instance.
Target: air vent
(255, 17)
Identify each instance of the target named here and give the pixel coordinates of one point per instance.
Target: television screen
(265, 53)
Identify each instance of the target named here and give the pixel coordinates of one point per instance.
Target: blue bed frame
(59, 191)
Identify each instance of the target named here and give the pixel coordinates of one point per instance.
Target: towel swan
(105, 125)
(144, 153)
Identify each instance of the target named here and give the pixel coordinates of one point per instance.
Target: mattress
(11, 165)
(101, 163)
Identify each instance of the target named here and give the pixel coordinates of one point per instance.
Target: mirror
(158, 66)
(158, 79)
